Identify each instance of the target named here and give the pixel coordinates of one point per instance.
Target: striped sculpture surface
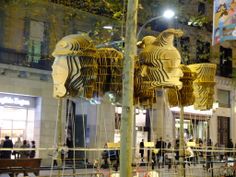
(160, 61)
(81, 69)
(203, 85)
(75, 68)
(158, 65)
(185, 96)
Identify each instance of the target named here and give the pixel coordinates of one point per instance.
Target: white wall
(46, 105)
(224, 84)
(101, 123)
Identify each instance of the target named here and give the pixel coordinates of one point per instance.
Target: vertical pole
(181, 143)
(127, 95)
(59, 135)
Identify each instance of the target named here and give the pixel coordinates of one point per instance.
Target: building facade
(28, 34)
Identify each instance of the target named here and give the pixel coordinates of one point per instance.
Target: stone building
(28, 34)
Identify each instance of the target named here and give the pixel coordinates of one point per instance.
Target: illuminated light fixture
(167, 14)
(190, 109)
(108, 27)
(95, 101)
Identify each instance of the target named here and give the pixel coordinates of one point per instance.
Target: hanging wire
(66, 134)
(84, 131)
(95, 154)
(151, 125)
(54, 154)
(73, 140)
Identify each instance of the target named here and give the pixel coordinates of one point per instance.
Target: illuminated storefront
(142, 130)
(195, 123)
(17, 116)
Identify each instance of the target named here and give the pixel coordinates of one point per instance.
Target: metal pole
(181, 143)
(127, 94)
(142, 27)
(59, 135)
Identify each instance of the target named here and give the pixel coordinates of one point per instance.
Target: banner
(224, 21)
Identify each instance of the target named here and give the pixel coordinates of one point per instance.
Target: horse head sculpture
(72, 53)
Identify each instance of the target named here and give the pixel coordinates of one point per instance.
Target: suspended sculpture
(185, 96)
(203, 85)
(158, 66)
(80, 69)
(160, 61)
(110, 63)
(75, 67)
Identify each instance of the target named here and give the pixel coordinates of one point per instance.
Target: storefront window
(223, 98)
(193, 129)
(16, 122)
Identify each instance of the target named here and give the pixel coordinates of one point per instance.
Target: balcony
(13, 57)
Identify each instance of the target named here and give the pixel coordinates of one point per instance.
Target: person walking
(1, 145)
(32, 152)
(25, 153)
(209, 163)
(17, 144)
(141, 149)
(161, 145)
(7, 144)
(230, 145)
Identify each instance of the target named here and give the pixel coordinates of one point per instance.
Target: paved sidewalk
(190, 171)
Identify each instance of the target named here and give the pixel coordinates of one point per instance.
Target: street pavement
(190, 171)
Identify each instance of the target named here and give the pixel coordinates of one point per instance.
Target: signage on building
(224, 21)
(16, 100)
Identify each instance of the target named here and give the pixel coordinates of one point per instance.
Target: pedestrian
(105, 157)
(1, 145)
(209, 163)
(161, 145)
(25, 153)
(7, 144)
(70, 144)
(169, 155)
(230, 145)
(141, 149)
(32, 152)
(176, 153)
(17, 144)
(189, 155)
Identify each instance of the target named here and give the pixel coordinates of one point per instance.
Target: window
(203, 51)
(16, 122)
(223, 98)
(223, 132)
(185, 43)
(36, 37)
(225, 66)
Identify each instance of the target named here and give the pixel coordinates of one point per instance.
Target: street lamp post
(127, 83)
(127, 95)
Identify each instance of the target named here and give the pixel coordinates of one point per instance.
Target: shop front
(195, 124)
(142, 127)
(17, 116)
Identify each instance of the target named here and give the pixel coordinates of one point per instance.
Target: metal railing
(19, 58)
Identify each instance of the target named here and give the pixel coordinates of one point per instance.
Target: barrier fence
(200, 165)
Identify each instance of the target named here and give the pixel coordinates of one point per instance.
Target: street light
(167, 14)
